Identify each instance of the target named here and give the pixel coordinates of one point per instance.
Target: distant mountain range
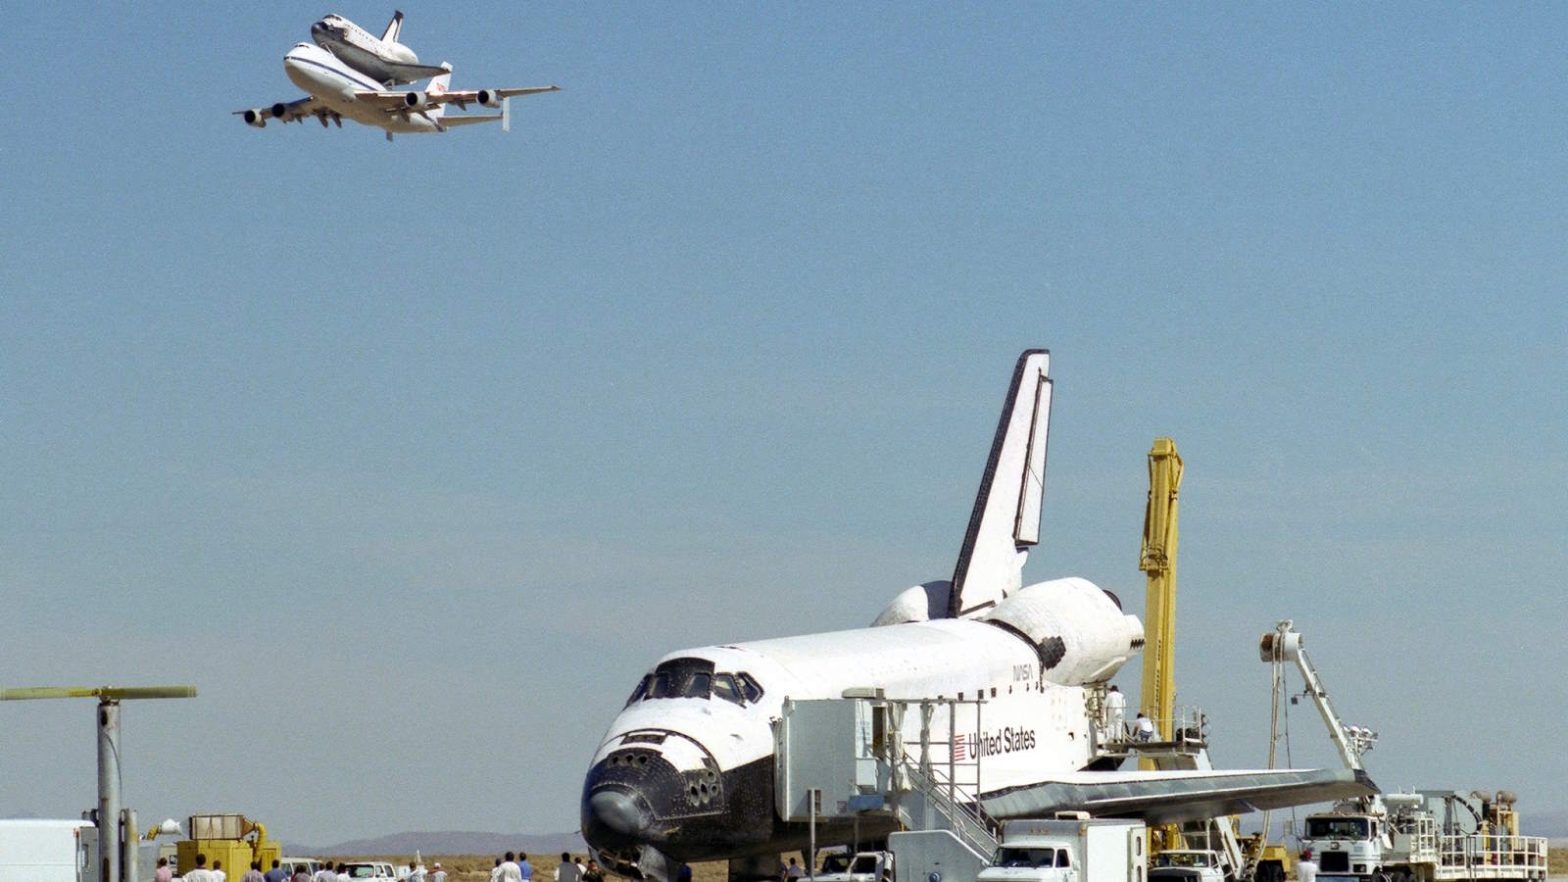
(1552, 824)
(449, 842)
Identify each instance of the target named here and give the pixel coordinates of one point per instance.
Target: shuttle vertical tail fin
(394, 27)
(1006, 517)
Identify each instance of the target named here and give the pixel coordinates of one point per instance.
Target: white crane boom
(1284, 644)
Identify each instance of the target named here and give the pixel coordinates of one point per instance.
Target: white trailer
(47, 851)
(1071, 850)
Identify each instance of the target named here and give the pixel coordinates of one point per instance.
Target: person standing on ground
(524, 867)
(417, 873)
(437, 874)
(567, 871)
(509, 870)
(302, 874)
(325, 874)
(1306, 868)
(217, 870)
(201, 873)
(164, 873)
(277, 873)
(254, 873)
(495, 873)
(592, 872)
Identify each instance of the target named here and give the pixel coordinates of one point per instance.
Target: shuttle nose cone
(621, 812)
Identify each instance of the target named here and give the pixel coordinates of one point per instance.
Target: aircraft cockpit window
(663, 686)
(682, 678)
(697, 685)
(749, 687)
(724, 687)
(641, 690)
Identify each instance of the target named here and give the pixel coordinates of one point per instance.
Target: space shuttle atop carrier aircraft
(385, 60)
(687, 771)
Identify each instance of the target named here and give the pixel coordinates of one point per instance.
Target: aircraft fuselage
(687, 768)
(333, 83)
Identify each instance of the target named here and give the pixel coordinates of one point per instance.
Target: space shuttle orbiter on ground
(686, 771)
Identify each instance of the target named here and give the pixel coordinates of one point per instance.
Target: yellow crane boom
(1157, 697)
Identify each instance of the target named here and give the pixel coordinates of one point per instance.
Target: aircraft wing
(409, 73)
(397, 102)
(1172, 797)
(473, 94)
(292, 111)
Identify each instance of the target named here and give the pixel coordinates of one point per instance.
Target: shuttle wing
(1006, 517)
(402, 72)
(1172, 797)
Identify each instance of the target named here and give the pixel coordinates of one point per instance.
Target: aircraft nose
(621, 812)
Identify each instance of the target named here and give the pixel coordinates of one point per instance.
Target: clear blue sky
(710, 347)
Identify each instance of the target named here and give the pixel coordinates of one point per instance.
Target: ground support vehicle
(48, 851)
(862, 866)
(1070, 850)
(1427, 836)
(370, 871)
(1187, 865)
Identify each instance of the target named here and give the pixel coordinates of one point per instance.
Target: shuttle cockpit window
(749, 687)
(724, 687)
(641, 690)
(697, 685)
(695, 678)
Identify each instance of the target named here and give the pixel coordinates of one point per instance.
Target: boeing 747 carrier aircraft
(686, 771)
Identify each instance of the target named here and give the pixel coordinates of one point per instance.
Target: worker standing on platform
(1115, 714)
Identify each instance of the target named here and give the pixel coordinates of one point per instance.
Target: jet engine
(256, 117)
(488, 98)
(414, 99)
(1079, 630)
(279, 109)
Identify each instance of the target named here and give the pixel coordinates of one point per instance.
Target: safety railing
(1480, 850)
(968, 821)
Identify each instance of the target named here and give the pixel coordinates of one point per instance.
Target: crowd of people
(510, 867)
(514, 867)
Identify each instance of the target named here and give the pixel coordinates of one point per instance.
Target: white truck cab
(1187, 865)
(862, 866)
(1070, 850)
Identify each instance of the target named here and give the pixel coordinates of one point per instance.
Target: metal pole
(952, 738)
(108, 790)
(811, 857)
(129, 863)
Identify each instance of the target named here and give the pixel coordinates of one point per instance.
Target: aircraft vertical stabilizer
(438, 85)
(1006, 517)
(394, 27)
